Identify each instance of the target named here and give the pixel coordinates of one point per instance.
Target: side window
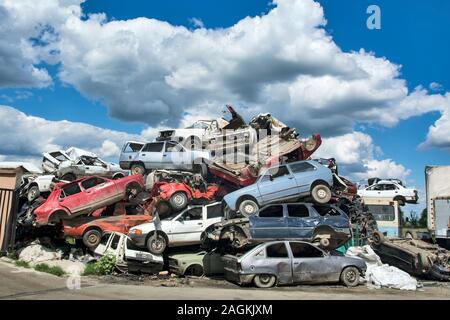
(275, 173)
(277, 250)
(305, 250)
(132, 147)
(214, 211)
(115, 241)
(302, 167)
(390, 187)
(92, 182)
(275, 211)
(105, 239)
(70, 190)
(325, 210)
(153, 147)
(173, 147)
(298, 211)
(59, 156)
(193, 214)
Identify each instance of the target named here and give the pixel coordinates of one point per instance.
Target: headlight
(137, 232)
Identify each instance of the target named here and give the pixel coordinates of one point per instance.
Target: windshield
(199, 125)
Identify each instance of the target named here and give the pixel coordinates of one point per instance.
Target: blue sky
(414, 34)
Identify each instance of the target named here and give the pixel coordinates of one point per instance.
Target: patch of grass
(104, 266)
(55, 270)
(12, 256)
(21, 263)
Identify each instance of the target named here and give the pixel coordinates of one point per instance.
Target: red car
(91, 229)
(84, 196)
(178, 195)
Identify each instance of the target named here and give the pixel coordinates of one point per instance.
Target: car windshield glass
(277, 250)
(305, 250)
(327, 210)
(214, 211)
(59, 156)
(198, 125)
(69, 190)
(91, 161)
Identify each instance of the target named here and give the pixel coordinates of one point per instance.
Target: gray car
(292, 262)
(141, 157)
(284, 182)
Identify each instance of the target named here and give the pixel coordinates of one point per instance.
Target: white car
(36, 185)
(128, 256)
(74, 163)
(181, 229)
(390, 189)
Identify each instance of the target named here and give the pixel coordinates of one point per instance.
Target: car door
(304, 173)
(176, 157)
(310, 264)
(279, 262)
(276, 184)
(269, 223)
(374, 191)
(151, 155)
(390, 190)
(98, 191)
(72, 198)
(300, 221)
(187, 227)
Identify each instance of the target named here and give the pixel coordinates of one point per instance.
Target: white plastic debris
(381, 275)
(36, 253)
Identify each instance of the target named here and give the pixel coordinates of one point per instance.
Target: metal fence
(8, 218)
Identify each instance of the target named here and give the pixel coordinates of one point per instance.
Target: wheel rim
(33, 193)
(265, 279)
(92, 239)
(178, 199)
(350, 276)
(321, 193)
(157, 244)
(249, 208)
(137, 170)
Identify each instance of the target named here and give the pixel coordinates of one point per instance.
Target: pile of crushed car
(246, 200)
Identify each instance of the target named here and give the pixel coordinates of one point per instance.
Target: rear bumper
(237, 277)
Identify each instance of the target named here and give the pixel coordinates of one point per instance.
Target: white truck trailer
(437, 184)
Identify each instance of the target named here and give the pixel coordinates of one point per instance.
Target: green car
(196, 264)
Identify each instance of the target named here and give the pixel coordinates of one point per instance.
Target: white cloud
(358, 157)
(26, 137)
(439, 134)
(28, 35)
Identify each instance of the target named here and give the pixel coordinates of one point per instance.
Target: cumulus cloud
(27, 137)
(358, 157)
(28, 37)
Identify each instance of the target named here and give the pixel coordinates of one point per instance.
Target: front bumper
(139, 240)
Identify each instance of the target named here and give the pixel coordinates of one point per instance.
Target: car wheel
(321, 193)
(91, 238)
(350, 277)
(377, 238)
(69, 177)
(195, 270)
(324, 242)
(201, 169)
(33, 193)
(401, 201)
(248, 207)
(137, 169)
(156, 243)
(264, 280)
(179, 200)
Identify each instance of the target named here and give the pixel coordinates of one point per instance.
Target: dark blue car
(325, 224)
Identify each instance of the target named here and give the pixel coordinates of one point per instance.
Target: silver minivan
(171, 155)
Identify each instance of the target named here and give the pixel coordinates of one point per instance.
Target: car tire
(350, 277)
(195, 270)
(200, 168)
(132, 190)
(264, 280)
(69, 177)
(156, 243)
(401, 201)
(321, 193)
(248, 207)
(324, 243)
(179, 200)
(33, 193)
(91, 238)
(137, 168)
(377, 238)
